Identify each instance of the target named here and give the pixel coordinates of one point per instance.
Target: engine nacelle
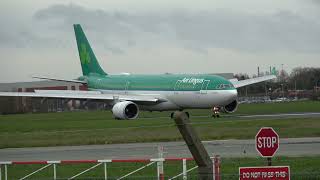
(230, 108)
(125, 110)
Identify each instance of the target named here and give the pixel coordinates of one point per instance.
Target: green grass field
(300, 168)
(98, 127)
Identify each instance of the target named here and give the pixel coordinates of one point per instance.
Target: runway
(279, 115)
(256, 116)
(225, 148)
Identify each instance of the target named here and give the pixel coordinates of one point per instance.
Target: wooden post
(199, 153)
(269, 161)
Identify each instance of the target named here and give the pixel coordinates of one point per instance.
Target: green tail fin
(274, 71)
(88, 60)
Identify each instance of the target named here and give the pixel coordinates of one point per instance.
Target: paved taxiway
(257, 116)
(279, 116)
(225, 148)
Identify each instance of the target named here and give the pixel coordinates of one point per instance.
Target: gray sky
(141, 36)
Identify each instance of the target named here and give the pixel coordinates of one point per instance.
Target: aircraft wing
(238, 84)
(94, 95)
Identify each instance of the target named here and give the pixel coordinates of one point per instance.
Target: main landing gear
(215, 112)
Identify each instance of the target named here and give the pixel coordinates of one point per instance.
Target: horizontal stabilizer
(63, 80)
(65, 91)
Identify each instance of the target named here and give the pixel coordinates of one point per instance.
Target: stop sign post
(267, 142)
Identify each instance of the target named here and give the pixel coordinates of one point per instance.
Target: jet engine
(125, 110)
(230, 108)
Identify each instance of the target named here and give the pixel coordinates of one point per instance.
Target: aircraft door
(177, 87)
(127, 87)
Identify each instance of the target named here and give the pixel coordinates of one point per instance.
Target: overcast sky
(143, 36)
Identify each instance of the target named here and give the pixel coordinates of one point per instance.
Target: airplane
(127, 94)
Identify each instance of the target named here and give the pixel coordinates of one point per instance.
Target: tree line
(301, 79)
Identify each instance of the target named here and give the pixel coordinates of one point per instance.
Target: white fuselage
(176, 100)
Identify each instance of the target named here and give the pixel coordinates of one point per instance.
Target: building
(9, 105)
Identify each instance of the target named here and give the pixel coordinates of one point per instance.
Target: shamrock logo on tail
(84, 55)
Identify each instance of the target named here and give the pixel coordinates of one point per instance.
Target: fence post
(160, 164)
(0, 172)
(184, 169)
(5, 172)
(54, 171)
(105, 170)
(216, 167)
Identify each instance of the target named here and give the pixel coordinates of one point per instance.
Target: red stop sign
(267, 142)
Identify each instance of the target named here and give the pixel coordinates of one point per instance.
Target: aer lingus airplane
(127, 94)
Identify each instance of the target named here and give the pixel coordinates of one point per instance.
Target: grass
(98, 127)
(300, 168)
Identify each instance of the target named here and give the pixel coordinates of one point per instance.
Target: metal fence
(178, 168)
